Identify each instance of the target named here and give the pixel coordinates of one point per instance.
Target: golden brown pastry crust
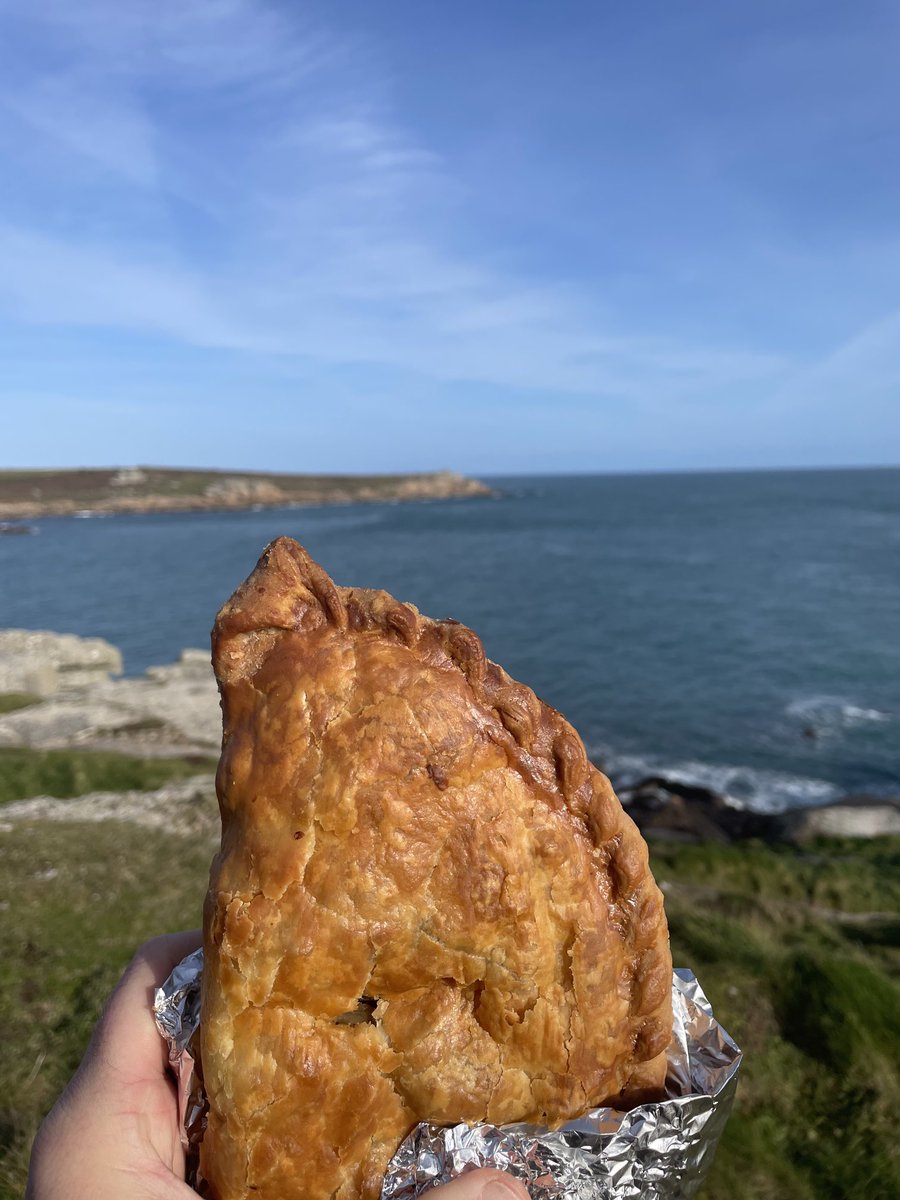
(402, 821)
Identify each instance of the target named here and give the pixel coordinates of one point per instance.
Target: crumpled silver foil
(176, 1007)
(659, 1151)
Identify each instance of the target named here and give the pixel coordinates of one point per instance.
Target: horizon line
(493, 474)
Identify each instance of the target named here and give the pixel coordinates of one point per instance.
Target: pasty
(427, 905)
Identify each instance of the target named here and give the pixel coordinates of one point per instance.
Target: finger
(482, 1185)
(127, 1039)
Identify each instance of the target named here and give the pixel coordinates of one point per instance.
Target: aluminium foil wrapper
(659, 1151)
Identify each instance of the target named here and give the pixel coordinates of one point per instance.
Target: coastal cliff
(25, 494)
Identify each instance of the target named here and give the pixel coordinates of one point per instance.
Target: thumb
(126, 1043)
(482, 1185)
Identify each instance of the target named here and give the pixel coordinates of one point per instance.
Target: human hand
(113, 1134)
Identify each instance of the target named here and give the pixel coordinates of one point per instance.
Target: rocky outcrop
(171, 709)
(854, 816)
(666, 808)
(441, 485)
(245, 492)
(45, 664)
(669, 809)
(187, 807)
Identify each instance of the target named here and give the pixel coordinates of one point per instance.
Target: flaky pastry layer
(427, 905)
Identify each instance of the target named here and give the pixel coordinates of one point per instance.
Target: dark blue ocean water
(739, 629)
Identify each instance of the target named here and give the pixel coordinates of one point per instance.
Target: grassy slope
(80, 898)
(809, 985)
(811, 994)
(65, 773)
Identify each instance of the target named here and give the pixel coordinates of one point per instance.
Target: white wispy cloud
(860, 376)
(223, 174)
(54, 281)
(105, 129)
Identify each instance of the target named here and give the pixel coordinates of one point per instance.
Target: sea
(735, 630)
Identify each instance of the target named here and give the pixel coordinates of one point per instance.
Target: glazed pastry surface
(427, 905)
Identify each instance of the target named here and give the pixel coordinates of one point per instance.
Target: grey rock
(852, 817)
(668, 809)
(48, 663)
(187, 807)
(171, 709)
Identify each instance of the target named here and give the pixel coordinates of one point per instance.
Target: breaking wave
(753, 788)
(832, 715)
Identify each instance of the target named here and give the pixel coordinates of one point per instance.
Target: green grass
(12, 701)
(780, 938)
(80, 899)
(65, 773)
(800, 957)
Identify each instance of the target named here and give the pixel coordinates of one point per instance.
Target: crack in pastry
(427, 904)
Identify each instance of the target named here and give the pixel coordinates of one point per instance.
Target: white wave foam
(754, 788)
(852, 713)
(832, 714)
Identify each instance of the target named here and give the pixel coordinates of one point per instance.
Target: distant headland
(60, 493)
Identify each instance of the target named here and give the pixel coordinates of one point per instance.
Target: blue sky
(501, 237)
